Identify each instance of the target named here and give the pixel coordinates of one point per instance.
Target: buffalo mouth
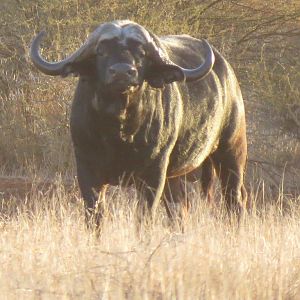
(123, 87)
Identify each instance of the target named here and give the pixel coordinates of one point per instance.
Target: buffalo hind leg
(230, 164)
(206, 174)
(208, 180)
(175, 198)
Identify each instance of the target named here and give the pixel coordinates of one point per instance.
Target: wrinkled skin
(146, 127)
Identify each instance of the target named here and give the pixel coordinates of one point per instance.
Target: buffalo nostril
(122, 71)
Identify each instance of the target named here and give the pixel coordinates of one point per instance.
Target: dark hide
(160, 130)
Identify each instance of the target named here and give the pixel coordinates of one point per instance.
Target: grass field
(46, 252)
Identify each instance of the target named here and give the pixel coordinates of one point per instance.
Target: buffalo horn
(62, 67)
(204, 68)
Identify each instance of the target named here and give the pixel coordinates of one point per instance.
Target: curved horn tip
(207, 44)
(203, 70)
(48, 68)
(39, 36)
(42, 32)
(36, 41)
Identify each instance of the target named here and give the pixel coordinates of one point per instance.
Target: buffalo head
(121, 55)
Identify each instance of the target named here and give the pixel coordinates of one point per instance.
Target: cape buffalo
(154, 110)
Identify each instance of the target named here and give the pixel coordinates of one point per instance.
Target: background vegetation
(46, 251)
(261, 40)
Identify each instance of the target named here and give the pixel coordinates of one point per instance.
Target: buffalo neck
(120, 115)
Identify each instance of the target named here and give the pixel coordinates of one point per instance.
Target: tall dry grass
(47, 252)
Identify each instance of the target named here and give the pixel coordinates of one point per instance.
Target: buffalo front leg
(93, 193)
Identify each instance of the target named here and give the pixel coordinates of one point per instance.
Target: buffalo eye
(104, 46)
(141, 52)
(101, 50)
(136, 48)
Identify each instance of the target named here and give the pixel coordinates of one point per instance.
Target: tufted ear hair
(82, 68)
(161, 70)
(159, 75)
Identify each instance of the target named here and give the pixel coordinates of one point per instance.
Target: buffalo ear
(82, 68)
(159, 75)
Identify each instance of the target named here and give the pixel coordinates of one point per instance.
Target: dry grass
(47, 253)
